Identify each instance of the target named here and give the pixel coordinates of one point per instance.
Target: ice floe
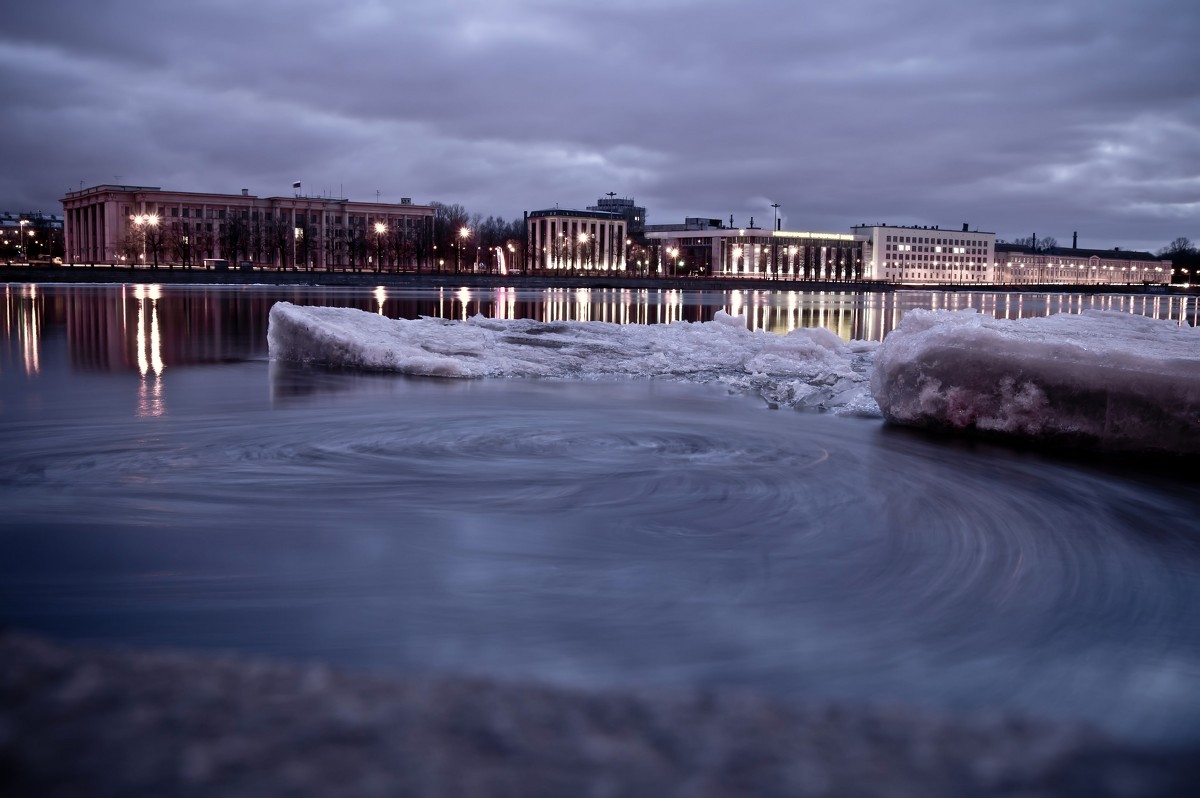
(1112, 380)
(807, 368)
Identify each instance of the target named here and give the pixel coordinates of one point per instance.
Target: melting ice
(809, 368)
(1106, 379)
(1113, 380)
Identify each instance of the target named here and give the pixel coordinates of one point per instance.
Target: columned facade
(144, 224)
(756, 253)
(575, 241)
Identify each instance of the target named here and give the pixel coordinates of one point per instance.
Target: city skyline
(1020, 118)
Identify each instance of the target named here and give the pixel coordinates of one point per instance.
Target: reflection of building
(1017, 264)
(706, 247)
(110, 224)
(927, 255)
(569, 240)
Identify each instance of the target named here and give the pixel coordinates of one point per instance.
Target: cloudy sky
(1017, 116)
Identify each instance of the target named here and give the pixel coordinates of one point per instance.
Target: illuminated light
(464, 232)
(380, 228)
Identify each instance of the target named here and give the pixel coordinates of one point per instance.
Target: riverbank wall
(179, 276)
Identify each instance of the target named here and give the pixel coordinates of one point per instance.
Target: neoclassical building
(560, 240)
(132, 224)
(1023, 265)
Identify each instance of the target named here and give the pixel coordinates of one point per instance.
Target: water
(164, 484)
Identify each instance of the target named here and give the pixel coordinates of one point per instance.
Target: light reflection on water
(151, 327)
(615, 533)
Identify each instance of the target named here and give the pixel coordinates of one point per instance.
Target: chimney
(1035, 240)
(965, 227)
(1075, 240)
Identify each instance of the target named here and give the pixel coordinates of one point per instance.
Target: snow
(807, 368)
(1105, 379)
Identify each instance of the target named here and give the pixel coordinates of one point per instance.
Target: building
(1018, 264)
(702, 246)
(927, 255)
(634, 215)
(559, 240)
(144, 224)
(31, 236)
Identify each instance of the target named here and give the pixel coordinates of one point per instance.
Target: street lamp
(583, 239)
(380, 231)
(21, 248)
(464, 233)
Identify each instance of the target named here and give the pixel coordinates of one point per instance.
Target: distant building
(112, 224)
(703, 246)
(927, 255)
(634, 215)
(1017, 264)
(571, 240)
(30, 236)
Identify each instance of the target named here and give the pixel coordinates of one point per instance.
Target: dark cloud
(1016, 116)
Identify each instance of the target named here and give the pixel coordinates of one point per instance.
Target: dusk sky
(1017, 117)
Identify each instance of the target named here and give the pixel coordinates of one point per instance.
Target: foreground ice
(1106, 379)
(810, 368)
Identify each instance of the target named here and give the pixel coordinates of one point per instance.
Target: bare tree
(179, 243)
(1180, 246)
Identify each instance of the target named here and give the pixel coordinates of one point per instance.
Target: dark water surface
(162, 483)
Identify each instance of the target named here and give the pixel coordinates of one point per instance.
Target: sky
(1013, 116)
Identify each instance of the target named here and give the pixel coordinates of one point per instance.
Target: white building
(927, 255)
(560, 240)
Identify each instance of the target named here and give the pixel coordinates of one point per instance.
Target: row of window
(953, 242)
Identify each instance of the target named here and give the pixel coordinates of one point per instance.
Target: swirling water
(190, 493)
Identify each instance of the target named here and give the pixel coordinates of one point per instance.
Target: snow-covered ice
(1106, 379)
(1113, 380)
(808, 368)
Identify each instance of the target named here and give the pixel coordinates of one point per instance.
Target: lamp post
(22, 250)
(380, 232)
(464, 233)
(583, 240)
(141, 222)
(774, 247)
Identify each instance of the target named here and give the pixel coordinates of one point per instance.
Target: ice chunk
(1106, 379)
(809, 368)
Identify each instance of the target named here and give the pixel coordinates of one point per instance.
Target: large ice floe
(807, 368)
(1103, 379)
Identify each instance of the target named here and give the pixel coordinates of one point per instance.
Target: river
(165, 484)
